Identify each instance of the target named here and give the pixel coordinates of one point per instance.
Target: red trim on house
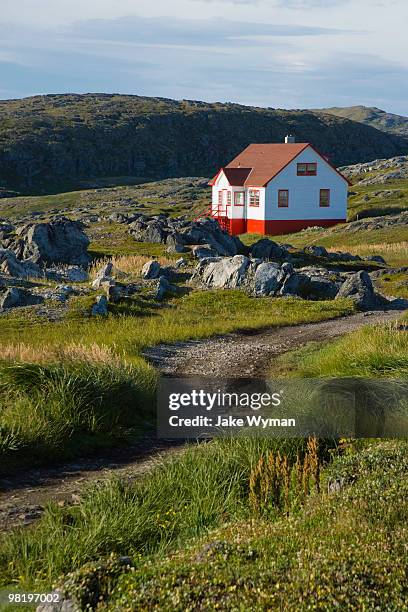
(255, 226)
(290, 226)
(214, 179)
(237, 226)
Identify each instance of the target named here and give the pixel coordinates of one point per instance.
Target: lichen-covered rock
(359, 288)
(15, 297)
(268, 279)
(57, 242)
(151, 269)
(268, 249)
(223, 272)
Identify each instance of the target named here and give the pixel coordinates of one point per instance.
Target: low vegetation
(229, 523)
(83, 382)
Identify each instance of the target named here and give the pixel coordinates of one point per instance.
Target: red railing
(219, 213)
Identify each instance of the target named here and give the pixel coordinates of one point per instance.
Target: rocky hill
(372, 116)
(60, 142)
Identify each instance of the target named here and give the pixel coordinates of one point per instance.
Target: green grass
(394, 284)
(199, 314)
(344, 551)
(390, 242)
(181, 498)
(72, 385)
(372, 351)
(60, 409)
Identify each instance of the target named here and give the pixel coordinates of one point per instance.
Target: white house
(278, 189)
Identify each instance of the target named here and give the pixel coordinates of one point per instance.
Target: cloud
(262, 64)
(290, 4)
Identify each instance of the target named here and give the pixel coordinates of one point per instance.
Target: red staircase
(219, 213)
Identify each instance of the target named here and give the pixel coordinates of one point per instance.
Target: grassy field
(83, 383)
(391, 242)
(375, 351)
(201, 535)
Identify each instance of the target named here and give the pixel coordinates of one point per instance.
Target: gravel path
(23, 496)
(250, 354)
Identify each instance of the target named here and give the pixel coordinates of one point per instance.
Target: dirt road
(243, 355)
(23, 496)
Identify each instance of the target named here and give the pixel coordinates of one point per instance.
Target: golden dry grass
(389, 250)
(128, 264)
(93, 353)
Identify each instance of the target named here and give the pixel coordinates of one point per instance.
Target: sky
(273, 53)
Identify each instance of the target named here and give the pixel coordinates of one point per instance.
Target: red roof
(260, 163)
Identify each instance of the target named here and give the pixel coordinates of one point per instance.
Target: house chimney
(289, 139)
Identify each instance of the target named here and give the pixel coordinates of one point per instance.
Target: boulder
(75, 274)
(15, 297)
(268, 249)
(376, 258)
(175, 243)
(163, 286)
(180, 263)
(56, 242)
(100, 308)
(201, 251)
(295, 284)
(359, 288)
(223, 272)
(9, 264)
(268, 279)
(316, 251)
(151, 269)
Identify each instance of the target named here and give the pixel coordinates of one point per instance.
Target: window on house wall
(220, 198)
(228, 198)
(254, 197)
(239, 198)
(307, 169)
(324, 198)
(283, 198)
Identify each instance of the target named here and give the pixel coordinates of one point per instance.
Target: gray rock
(175, 243)
(151, 269)
(201, 251)
(163, 287)
(15, 297)
(296, 284)
(9, 264)
(100, 308)
(101, 282)
(223, 272)
(316, 251)
(268, 279)
(268, 249)
(106, 270)
(359, 288)
(376, 258)
(180, 263)
(56, 242)
(75, 274)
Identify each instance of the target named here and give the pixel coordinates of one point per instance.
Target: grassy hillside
(201, 536)
(59, 142)
(375, 117)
